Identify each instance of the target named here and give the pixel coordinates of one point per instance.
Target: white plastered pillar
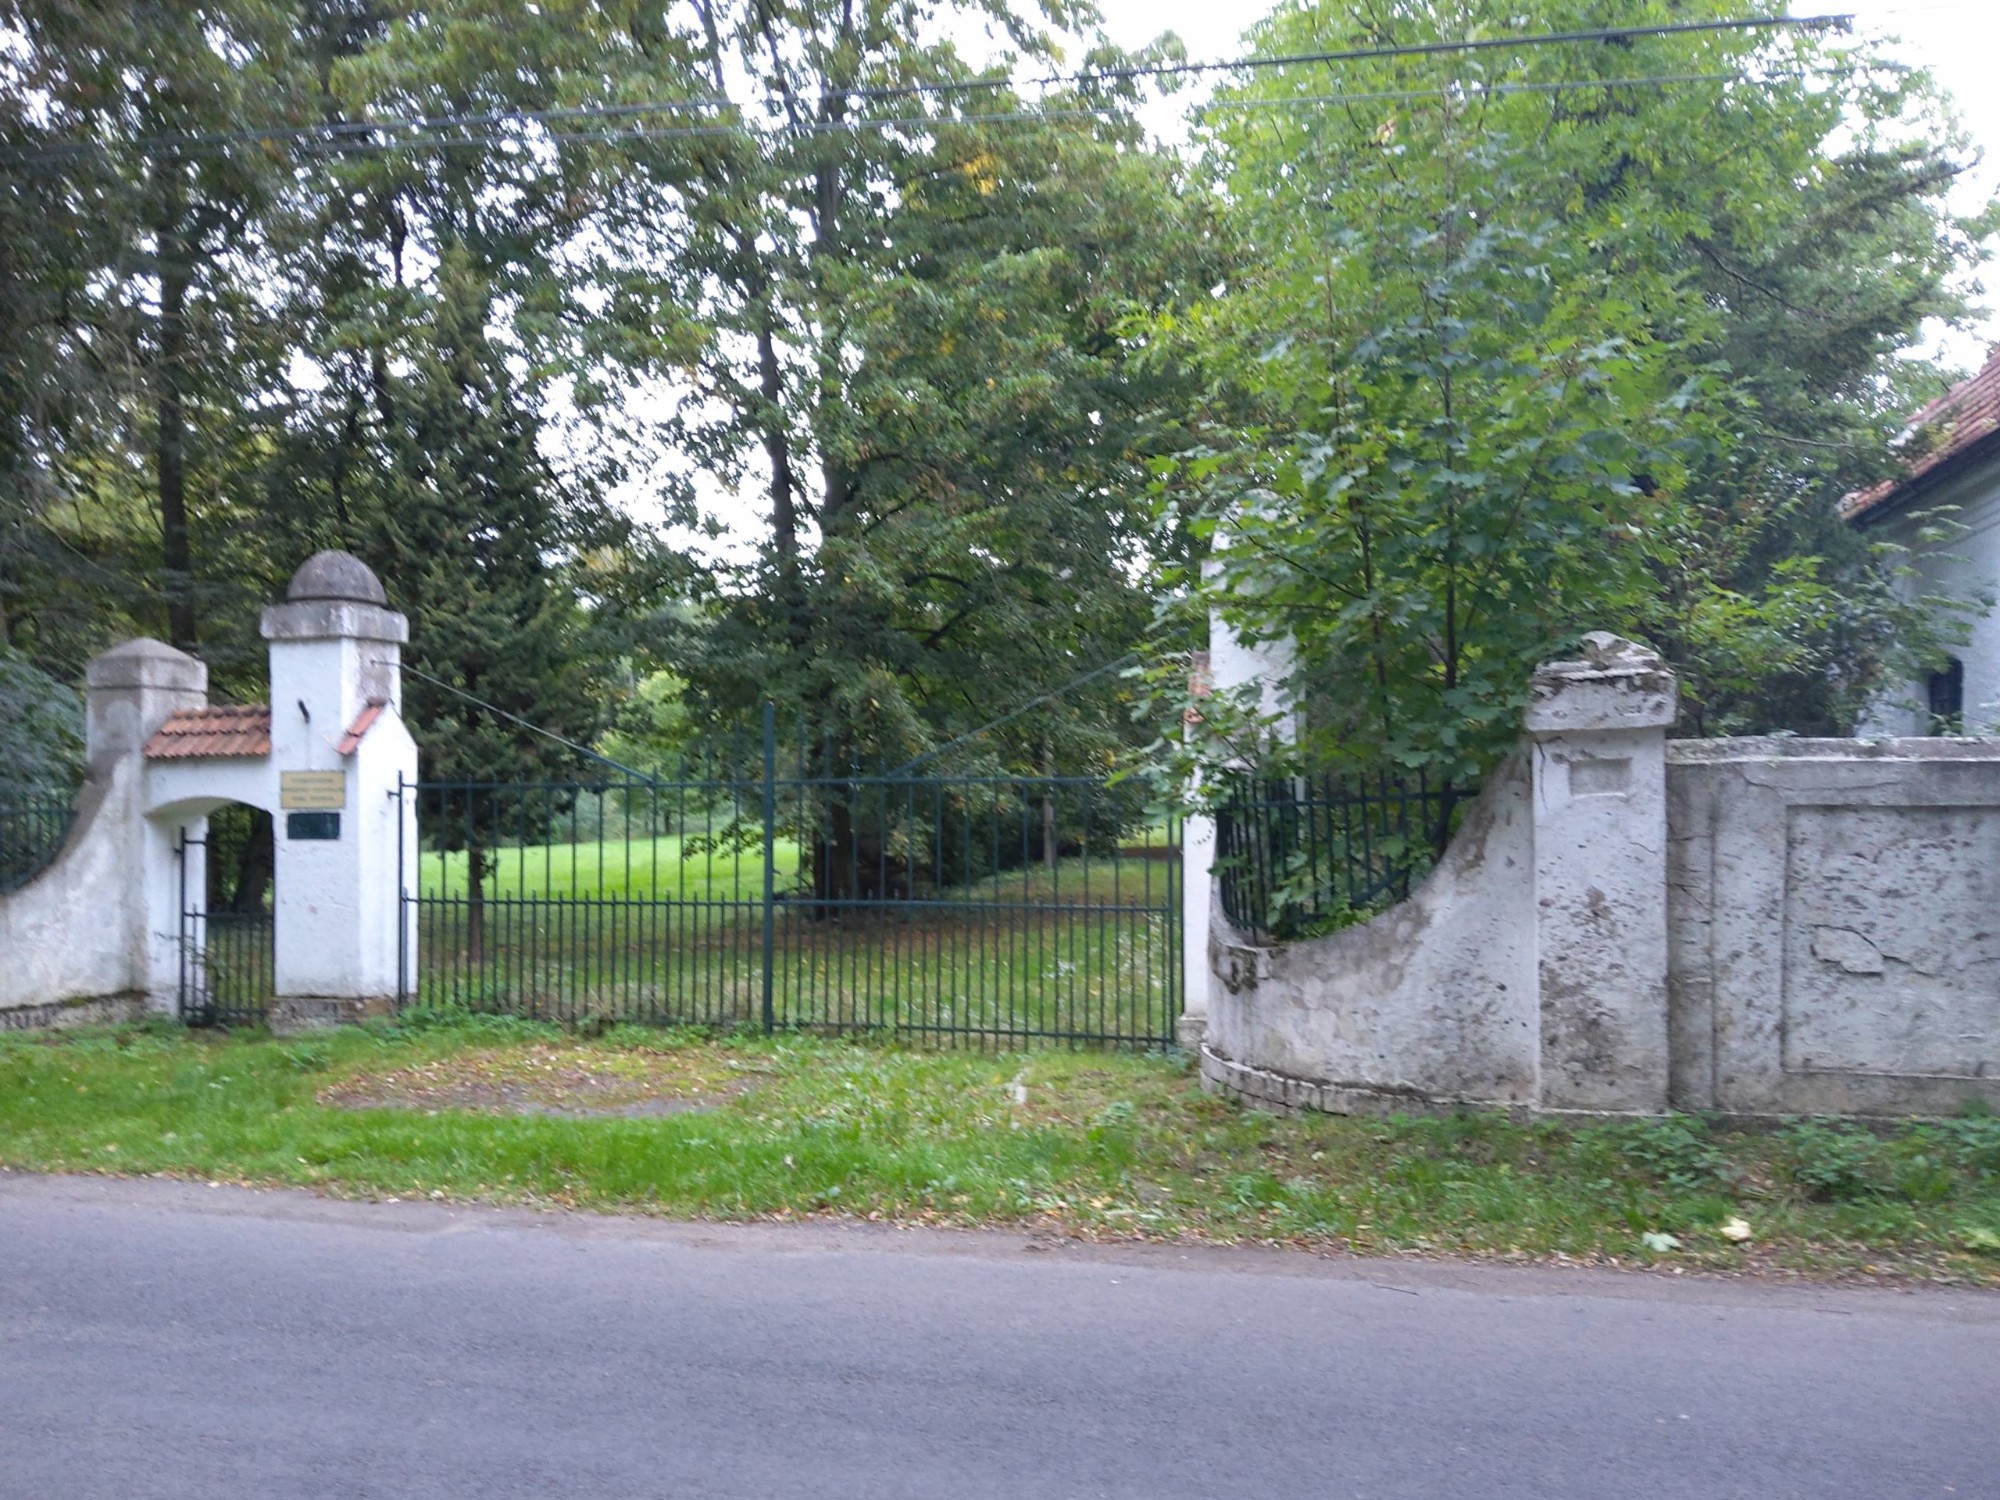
(1230, 663)
(344, 839)
(130, 691)
(1597, 729)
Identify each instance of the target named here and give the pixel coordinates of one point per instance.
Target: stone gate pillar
(343, 839)
(1597, 730)
(130, 691)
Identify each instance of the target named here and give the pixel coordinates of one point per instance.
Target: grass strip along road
(1089, 1144)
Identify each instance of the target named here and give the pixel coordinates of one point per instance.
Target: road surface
(162, 1339)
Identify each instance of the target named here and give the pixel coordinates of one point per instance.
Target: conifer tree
(470, 534)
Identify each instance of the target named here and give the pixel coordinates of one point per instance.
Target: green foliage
(1563, 355)
(1971, 1143)
(41, 732)
(141, 316)
(1674, 1150)
(309, 1056)
(1501, 366)
(458, 1022)
(1095, 1144)
(651, 731)
(1833, 1163)
(469, 530)
(905, 340)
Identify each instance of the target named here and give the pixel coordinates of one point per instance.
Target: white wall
(1230, 663)
(1831, 908)
(1529, 970)
(1965, 566)
(103, 922)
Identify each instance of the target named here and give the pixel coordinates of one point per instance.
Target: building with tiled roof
(1952, 474)
(1960, 429)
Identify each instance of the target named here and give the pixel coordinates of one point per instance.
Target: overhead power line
(719, 129)
(365, 135)
(1605, 34)
(527, 724)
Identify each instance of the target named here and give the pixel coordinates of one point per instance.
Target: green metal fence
(33, 828)
(1296, 855)
(985, 909)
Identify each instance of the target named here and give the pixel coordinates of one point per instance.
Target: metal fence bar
(33, 830)
(986, 909)
(1301, 854)
(770, 864)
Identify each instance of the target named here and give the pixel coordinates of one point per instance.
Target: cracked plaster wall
(1626, 924)
(1834, 924)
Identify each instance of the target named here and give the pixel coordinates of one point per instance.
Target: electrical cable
(528, 724)
(973, 734)
(353, 148)
(344, 133)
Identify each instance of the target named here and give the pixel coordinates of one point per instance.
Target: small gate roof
(228, 729)
(351, 741)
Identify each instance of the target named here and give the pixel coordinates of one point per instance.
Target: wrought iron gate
(225, 976)
(984, 909)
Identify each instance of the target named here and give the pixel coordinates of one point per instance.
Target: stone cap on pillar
(1618, 684)
(335, 596)
(146, 663)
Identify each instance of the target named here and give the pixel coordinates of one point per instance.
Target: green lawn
(667, 869)
(635, 932)
(1094, 1144)
(656, 869)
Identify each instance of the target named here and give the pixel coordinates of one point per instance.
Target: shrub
(1674, 1150)
(1832, 1163)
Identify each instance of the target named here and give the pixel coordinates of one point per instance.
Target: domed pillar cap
(336, 575)
(335, 596)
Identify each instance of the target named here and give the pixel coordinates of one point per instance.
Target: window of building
(1947, 689)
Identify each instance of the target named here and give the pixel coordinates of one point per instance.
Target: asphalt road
(160, 1339)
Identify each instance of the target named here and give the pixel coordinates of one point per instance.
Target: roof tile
(351, 741)
(1960, 418)
(194, 733)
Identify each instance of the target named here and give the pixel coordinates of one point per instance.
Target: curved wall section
(56, 966)
(1432, 1002)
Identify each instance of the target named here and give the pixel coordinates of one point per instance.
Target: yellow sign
(312, 791)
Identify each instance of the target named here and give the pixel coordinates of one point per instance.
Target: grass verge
(1089, 1144)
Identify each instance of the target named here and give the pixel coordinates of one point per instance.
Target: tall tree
(1509, 364)
(883, 297)
(474, 529)
(152, 112)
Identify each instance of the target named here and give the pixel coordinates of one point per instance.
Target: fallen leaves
(548, 1079)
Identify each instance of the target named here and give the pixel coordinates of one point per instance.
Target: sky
(1958, 40)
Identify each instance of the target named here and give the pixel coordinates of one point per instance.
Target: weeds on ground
(1089, 1143)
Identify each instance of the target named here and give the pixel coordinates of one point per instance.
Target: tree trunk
(170, 416)
(475, 905)
(834, 860)
(256, 864)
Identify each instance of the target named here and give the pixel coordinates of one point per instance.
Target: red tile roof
(351, 741)
(1956, 422)
(241, 729)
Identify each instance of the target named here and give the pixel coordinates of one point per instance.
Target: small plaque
(312, 825)
(1600, 777)
(313, 791)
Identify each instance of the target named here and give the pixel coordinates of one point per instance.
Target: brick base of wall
(295, 1015)
(57, 1015)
